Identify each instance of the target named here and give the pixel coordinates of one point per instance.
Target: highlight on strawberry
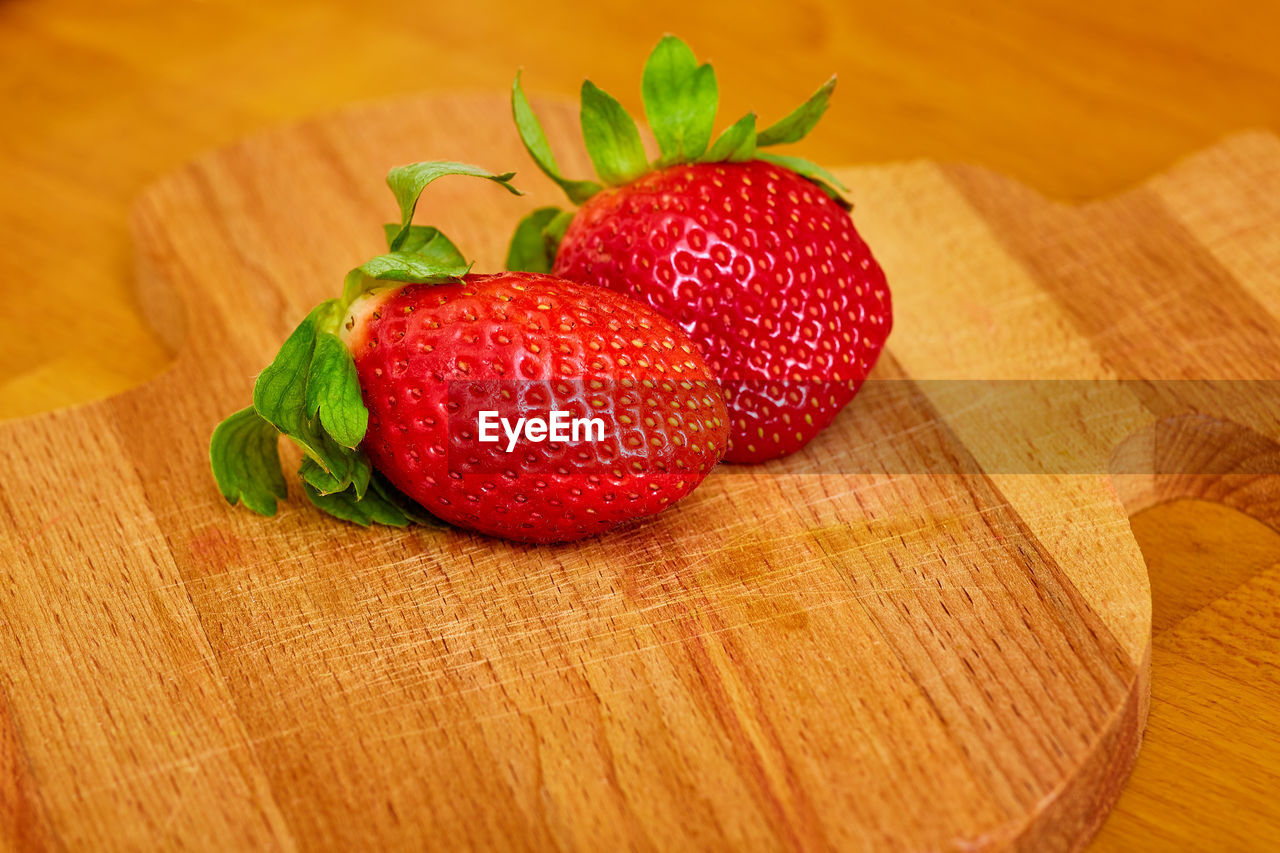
(516, 404)
(750, 252)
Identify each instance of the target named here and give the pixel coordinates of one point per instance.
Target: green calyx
(310, 392)
(681, 97)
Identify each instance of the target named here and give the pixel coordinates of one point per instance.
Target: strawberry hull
(763, 271)
(449, 371)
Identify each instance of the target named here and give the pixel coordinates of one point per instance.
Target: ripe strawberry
(420, 368)
(752, 254)
(431, 358)
(763, 270)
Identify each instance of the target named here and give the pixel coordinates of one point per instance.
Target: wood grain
(1076, 99)
(1210, 753)
(1073, 98)
(845, 642)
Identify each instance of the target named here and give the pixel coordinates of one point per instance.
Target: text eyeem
(561, 426)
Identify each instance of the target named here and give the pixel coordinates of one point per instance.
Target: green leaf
(680, 100)
(411, 508)
(795, 126)
(528, 249)
(613, 143)
(410, 266)
(535, 142)
(371, 509)
(361, 476)
(326, 483)
(553, 233)
(246, 462)
(828, 182)
(736, 144)
(408, 182)
(280, 394)
(340, 462)
(419, 253)
(319, 479)
(429, 241)
(355, 285)
(333, 391)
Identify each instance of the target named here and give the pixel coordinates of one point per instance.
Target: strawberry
(753, 254)
(518, 405)
(432, 358)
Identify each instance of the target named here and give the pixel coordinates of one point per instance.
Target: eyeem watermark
(560, 427)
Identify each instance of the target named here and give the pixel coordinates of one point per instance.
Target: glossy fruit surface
(432, 357)
(763, 270)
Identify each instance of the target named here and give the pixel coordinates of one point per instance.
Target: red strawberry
(431, 358)
(763, 270)
(518, 405)
(754, 255)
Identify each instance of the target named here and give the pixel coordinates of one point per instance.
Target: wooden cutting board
(898, 639)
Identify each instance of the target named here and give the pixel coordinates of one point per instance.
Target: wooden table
(1075, 99)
